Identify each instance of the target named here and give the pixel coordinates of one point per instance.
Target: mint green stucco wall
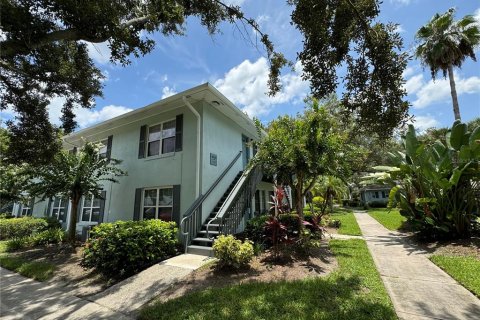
(220, 135)
(223, 137)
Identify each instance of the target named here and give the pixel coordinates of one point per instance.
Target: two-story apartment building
(184, 155)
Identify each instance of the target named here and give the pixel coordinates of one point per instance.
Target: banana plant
(434, 185)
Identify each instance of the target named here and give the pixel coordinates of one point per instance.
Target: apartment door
(245, 150)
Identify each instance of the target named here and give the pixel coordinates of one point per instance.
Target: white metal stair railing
(192, 221)
(238, 202)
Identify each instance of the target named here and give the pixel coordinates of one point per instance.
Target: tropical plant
(329, 188)
(446, 43)
(434, 185)
(73, 175)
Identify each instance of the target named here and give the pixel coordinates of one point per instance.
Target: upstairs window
(161, 138)
(158, 203)
(102, 152)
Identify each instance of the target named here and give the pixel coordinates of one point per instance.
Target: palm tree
(445, 43)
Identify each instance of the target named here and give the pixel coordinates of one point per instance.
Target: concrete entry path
(417, 287)
(129, 295)
(24, 298)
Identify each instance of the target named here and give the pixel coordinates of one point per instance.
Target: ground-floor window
(158, 203)
(59, 209)
(26, 208)
(91, 209)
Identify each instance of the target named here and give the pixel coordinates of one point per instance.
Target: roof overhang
(204, 92)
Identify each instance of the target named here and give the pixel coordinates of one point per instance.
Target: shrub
(52, 223)
(123, 248)
(232, 253)
(50, 236)
(21, 227)
(377, 204)
(334, 223)
(255, 229)
(6, 215)
(19, 243)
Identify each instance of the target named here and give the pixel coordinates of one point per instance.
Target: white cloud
(246, 85)
(234, 2)
(167, 92)
(85, 117)
(99, 52)
(401, 2)
(414, 84)
(400, 29)
(439, 90)
(422, 123)
(476, 14)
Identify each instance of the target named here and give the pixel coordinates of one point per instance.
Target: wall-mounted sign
(213, 159)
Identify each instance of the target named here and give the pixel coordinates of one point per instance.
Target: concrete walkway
(24, 298)
(417, 287)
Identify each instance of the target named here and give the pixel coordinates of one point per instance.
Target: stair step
(200, 250)
(210, 232)
(203, 240)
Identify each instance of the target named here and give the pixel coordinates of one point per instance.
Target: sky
(240, 70)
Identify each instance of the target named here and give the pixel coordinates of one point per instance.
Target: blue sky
(239, 70)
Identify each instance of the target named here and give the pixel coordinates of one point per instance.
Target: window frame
(104, 143)
(161, 138)
(26, 206)
(157, 204)
(91, 207)
(63, 204)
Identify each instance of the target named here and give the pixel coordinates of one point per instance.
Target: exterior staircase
(202, 244)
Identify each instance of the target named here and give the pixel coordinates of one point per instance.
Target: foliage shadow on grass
(309, 299)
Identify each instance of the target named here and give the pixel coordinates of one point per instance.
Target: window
(59, 207)
(91, 209)
(102, 152)
(158, 203)
(375, 195)
(384, 194)
(26, 209)
(161, 138)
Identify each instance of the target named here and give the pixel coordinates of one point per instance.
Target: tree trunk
(72, 228)
(299, 199)
(453, 91)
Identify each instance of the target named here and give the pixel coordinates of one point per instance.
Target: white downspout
(197, 173)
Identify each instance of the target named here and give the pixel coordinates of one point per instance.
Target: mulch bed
(262, 269)
(459, 247)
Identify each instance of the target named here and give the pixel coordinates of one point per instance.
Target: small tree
(73, 175)
(299, 149)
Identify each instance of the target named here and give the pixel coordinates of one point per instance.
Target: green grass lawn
(390, 219)
(465, 270)
(40, 271)
(349, 225)
(354, 291)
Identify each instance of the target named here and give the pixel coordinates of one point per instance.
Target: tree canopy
(297, 150)
(344, 33)
(44, 52)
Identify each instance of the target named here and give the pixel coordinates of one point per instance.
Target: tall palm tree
(445, 43)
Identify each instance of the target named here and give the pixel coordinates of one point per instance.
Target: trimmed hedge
(21, 227)
(123, 248)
